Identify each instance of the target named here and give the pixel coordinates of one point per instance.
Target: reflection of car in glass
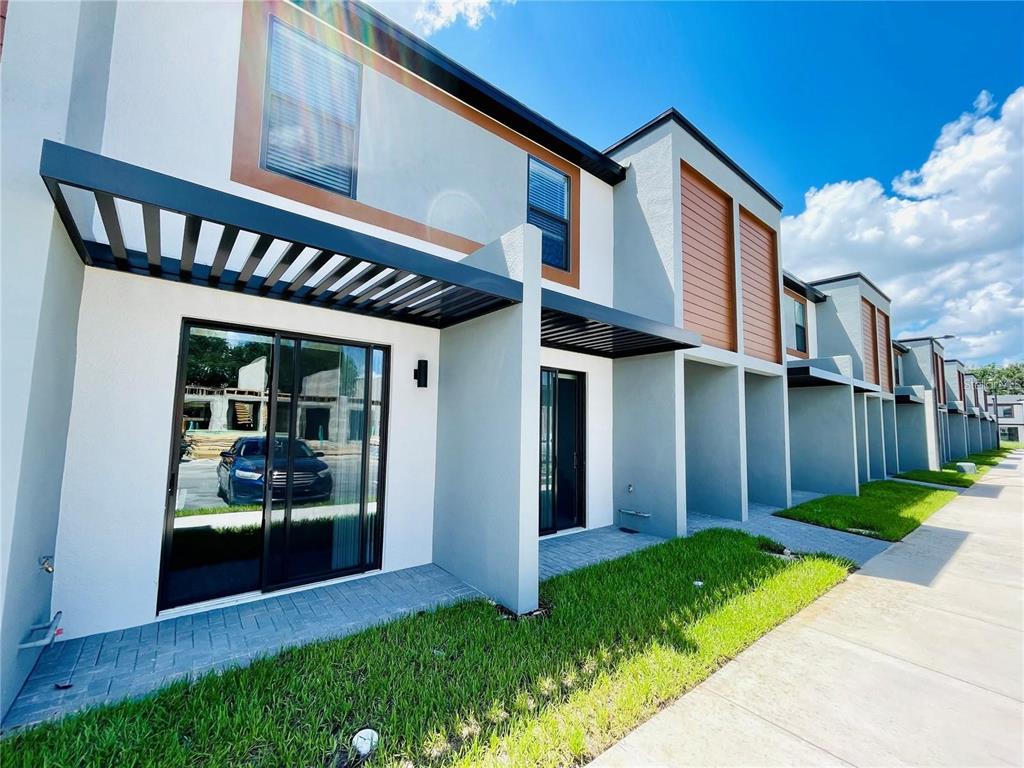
(242, 468)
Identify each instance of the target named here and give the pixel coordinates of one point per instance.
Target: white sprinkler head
(365, 741)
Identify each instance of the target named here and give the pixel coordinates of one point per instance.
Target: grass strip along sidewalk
(949, 475)
(884, 510)
(465, 685)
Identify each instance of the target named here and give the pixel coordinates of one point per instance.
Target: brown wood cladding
(759, 273)
(709, 288)
(869, 345)
(939, 373)
(883, 350)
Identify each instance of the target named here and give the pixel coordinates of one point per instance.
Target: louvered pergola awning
(576, 325)
(123, 217)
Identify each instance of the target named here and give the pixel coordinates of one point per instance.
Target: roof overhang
(907, 399)
(798, 286)
(955, 407)
(573, 324)
(809, 376)
(859, 385)
(123, 217)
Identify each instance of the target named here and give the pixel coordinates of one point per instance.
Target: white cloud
(947, 243)
(425, 17)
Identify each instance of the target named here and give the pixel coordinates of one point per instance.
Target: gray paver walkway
(915, 660)
(559, 554)
(799, 537)
(130, 663)
(133, 662)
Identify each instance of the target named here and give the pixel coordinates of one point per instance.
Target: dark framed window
(547, 208)
(796, 325)
(311, 112)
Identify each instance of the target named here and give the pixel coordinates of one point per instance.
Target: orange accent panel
(884, 350)
(868, 342)
(709, 287)
(759, 273)
(245, 156)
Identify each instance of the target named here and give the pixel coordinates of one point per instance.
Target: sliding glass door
(277, 476)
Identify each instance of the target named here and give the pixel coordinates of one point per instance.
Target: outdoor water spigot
(46, 563)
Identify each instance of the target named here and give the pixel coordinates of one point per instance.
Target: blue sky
(802, 95)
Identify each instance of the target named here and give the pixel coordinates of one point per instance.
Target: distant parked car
(242, 469)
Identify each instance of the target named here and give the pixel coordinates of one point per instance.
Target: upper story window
(796, 325)
(547, 208)
(1006, 411)
(311, 112)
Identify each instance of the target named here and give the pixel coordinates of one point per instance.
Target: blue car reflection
(242, 470)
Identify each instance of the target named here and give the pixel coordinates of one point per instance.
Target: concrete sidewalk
(916, 659)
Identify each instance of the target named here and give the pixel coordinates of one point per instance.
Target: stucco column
(488, 433)
(876, 438)
(890, 436)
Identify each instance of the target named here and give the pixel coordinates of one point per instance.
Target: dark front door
(562, 420)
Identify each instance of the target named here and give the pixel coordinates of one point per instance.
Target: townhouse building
(982, 408)
(921, 400)
(842, 405)
(1010, 415)
(958, 420)
(320, 303)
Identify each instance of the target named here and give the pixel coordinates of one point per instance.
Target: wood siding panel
(939, 374)
(759, 274)
(868, 342)
(709, 290)
(884, 350)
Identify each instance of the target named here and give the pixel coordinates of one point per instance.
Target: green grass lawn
(463, 685)
(948, 475)
(884, 510)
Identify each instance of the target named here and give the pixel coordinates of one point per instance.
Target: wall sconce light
(419, 373)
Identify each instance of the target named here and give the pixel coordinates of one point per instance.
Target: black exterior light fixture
(420, 373)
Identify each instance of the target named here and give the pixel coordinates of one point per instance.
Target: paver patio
(129, 663)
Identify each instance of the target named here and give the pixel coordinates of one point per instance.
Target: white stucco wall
(415, 158)
(716, 482)
(649, 460)
(958, 436)
(912, 424)
(112, 509)
(823, 436)
(767, 449)
(45, 59)
(599, 415)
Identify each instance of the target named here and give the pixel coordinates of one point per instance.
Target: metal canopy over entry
(120, 216)
(582, 326)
